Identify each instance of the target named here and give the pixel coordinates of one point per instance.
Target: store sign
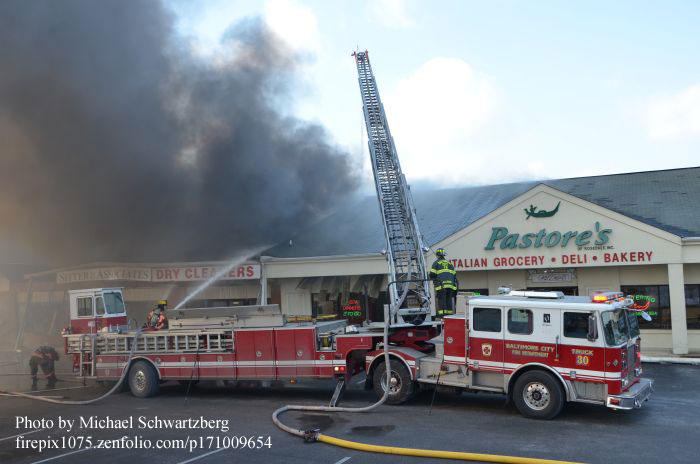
(549, 277)
(353, 308)
(197, 273)
(595, 238)
(533, 212)
(160, 274)
(139, 274)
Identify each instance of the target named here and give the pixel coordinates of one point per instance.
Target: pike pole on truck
(541, 349)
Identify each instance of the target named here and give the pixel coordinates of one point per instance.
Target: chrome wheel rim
(394, 383)
(536, 396)
(140, 380)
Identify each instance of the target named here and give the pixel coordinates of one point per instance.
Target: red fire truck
(541, 349)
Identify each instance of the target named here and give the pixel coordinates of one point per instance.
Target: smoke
(120, 142)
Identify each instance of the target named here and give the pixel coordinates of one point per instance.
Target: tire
(143, 380)
(538, 395)
(403, 387)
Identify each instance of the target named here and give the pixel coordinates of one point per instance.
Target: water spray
(222, 272)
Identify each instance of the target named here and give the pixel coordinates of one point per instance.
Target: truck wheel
(538, 395)
(401, 387)
(143, 380)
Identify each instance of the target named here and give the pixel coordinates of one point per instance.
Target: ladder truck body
(409, 290)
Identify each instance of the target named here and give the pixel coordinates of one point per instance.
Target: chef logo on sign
(486, 349)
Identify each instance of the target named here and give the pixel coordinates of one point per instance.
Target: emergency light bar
(534, 294)
(608, 297)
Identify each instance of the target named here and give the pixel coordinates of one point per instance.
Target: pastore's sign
(502, 237)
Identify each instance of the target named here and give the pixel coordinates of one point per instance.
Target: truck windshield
(114, 304)
(633, 323)
(615, 326)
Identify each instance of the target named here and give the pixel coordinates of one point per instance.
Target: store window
(692, 305)
(659, 304)
(325, 305)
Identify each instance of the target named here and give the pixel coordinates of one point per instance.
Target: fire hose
(83, 402)
(316, 435)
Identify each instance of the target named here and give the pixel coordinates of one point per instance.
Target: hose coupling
(311, 436)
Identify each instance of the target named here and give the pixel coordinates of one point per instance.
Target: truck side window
(520, 321)
(99, 306)
(85, 306)
(487, 319)
(576, 325)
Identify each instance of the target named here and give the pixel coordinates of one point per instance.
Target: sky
(492, 92)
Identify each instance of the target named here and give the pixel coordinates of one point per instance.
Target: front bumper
(634, 397)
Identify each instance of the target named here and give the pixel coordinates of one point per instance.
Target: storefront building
(638, 233)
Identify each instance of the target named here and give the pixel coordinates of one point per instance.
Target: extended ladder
(410, 296)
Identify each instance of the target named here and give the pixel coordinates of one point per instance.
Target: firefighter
(445, 281)
(44, 358)
(156, 318)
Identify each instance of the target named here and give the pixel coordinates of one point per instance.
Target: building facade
(636, 233)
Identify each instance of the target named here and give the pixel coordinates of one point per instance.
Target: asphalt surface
(664, 430)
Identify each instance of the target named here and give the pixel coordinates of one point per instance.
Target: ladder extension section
(404, 242)
(155, 342)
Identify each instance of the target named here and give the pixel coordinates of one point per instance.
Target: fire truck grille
(631, 362)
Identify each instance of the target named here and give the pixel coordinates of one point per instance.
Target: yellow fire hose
(423, 453)
(316, 435)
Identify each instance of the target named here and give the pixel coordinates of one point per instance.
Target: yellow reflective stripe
(442, 271)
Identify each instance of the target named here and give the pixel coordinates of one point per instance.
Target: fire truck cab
(96, 309)
(541, 349)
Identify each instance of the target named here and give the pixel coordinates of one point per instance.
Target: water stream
(236, 261)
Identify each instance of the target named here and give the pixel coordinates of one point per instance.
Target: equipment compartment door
(285, 358)
(264, 353)
(245, 353)
(305, 344)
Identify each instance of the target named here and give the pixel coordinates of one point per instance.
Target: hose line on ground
(456, 455)
(316, 435)
(94, 400)
(312, 435)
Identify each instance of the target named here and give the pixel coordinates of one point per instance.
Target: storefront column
(679, 323)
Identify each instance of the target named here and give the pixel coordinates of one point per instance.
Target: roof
(667, 200)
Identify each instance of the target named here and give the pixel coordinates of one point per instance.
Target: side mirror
(592, 328)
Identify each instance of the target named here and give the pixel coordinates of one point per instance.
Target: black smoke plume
(118, 142)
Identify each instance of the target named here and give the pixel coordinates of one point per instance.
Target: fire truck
(541, 349)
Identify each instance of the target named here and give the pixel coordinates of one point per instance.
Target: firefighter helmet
(440, 252)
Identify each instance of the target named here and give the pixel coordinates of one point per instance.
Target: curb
(670, 359)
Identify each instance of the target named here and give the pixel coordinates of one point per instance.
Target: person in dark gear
(445, 282)
(44, 358)
(156, 318)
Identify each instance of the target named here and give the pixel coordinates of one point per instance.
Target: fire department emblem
(486, 349)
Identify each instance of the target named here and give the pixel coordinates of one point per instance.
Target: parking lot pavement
(664, 430)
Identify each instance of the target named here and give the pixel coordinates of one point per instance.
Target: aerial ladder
(409, 290)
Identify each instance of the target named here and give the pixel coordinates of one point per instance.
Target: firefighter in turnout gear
(44, 358)
(445, 281)
(156, 318)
